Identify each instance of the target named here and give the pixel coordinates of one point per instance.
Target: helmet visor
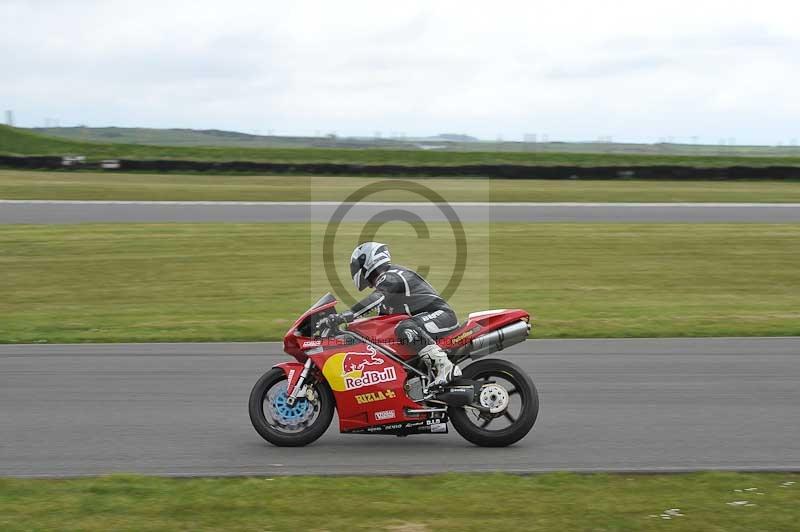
(358, 280)
(357, 272)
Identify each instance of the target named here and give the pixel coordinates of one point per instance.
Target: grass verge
(558, 501)
(16, 184)
(214, 282)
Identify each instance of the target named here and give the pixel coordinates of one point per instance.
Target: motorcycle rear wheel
(476, 428)
(284, 425)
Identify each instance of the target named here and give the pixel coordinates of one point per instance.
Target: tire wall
(495, 171)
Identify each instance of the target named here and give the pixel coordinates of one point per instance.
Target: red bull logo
(370, 377)
(358, 361)
(352, 370)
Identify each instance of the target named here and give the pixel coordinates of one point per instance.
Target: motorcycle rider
(401, 290)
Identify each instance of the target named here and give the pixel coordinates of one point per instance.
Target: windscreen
(324, 300)
(306, 327)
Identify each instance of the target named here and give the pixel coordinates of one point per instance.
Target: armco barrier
(479, 170)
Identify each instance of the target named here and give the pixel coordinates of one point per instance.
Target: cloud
(572, 69)
(609, 66)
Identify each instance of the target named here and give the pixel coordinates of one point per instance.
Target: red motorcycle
(380, 386)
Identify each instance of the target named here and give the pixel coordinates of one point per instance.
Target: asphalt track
(47, 212)
(181, 409)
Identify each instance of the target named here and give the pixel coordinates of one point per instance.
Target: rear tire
(519, 428)
(278, 430)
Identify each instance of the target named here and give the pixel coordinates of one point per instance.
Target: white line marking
(391, 204)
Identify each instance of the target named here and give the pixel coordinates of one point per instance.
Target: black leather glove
(332, 321)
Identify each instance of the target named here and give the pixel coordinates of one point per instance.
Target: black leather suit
(399, 290)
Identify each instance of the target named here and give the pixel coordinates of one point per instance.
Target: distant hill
(217, 137)
(17, 141)
(447, 142)
(454, 137)
(211, 137)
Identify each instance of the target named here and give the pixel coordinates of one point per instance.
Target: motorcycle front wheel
(512, 398)
(287, 425)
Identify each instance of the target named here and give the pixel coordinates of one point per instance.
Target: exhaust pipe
(499, 339)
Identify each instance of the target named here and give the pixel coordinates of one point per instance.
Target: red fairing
(480, 323)
(296, 344)
(368, 386)
(380, 330)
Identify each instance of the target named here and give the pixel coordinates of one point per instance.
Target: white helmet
(365, 260)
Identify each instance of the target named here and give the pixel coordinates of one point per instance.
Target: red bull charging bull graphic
(353, 370)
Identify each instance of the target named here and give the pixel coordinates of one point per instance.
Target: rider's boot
(443, 369)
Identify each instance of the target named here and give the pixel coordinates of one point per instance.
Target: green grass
(206, 282)
(557, 501)
(16, 184)
(15, 141)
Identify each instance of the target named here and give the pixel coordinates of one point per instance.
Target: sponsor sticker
(353, 370)
(365, 398)
(311, 343)
(414, 427)
(466, 334)
(384, 414)
(368, 378)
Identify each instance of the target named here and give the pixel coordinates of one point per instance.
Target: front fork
(299, 389)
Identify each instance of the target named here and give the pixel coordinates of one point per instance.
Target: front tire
(477, 427)
(284, 425)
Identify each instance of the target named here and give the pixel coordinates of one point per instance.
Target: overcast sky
(574, 70)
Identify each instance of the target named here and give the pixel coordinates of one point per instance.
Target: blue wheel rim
(289, 412)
